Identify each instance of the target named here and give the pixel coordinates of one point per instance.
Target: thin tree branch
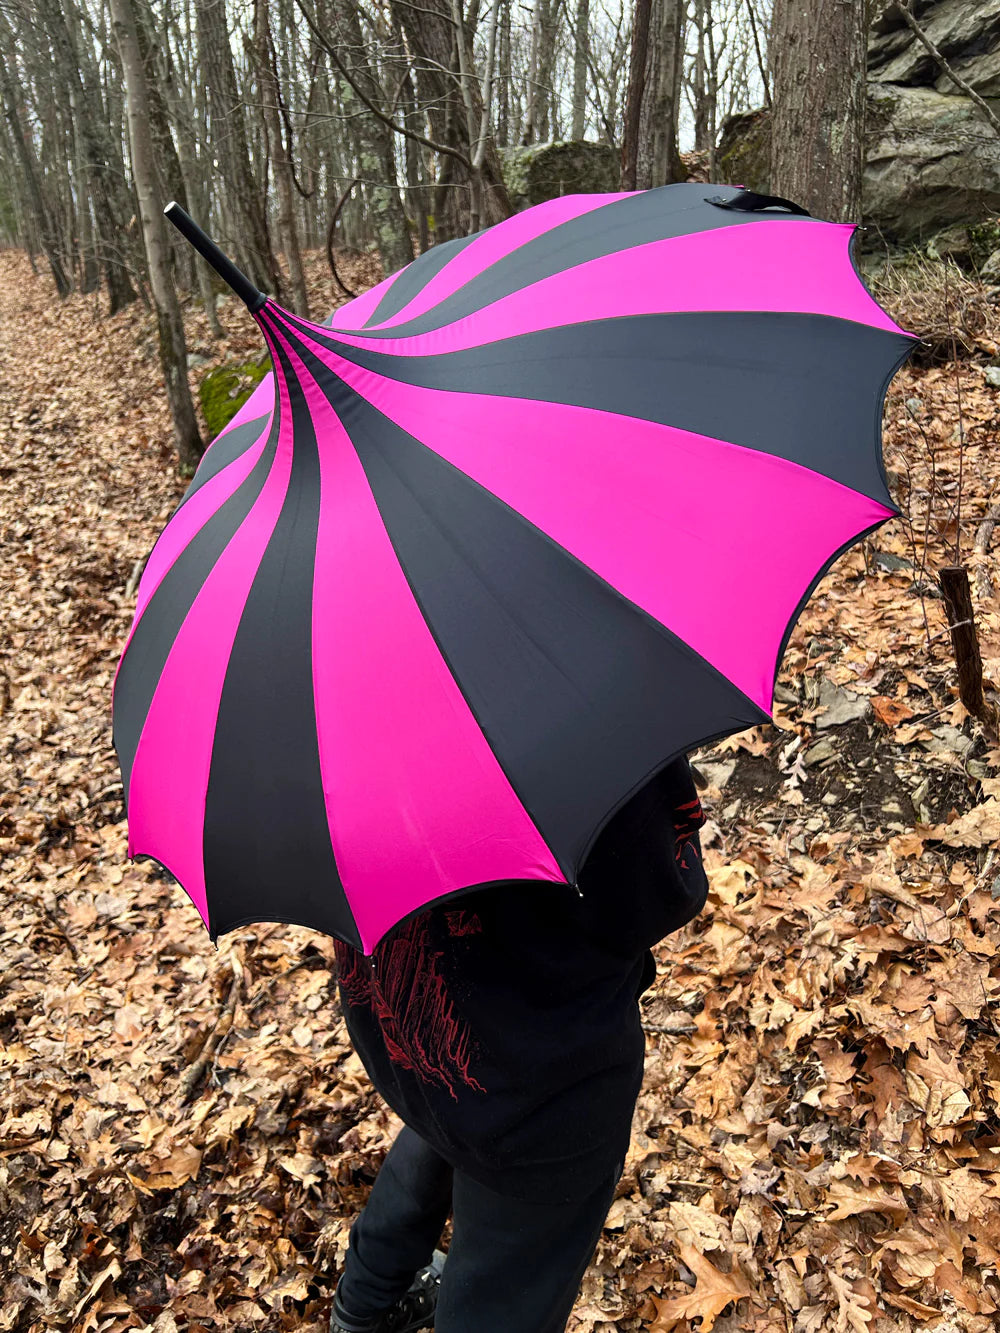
(329, 239)
(486, 90)
(223, 1026)
(377, 111)
(760, 59)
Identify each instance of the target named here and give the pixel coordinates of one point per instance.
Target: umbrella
(529, 519)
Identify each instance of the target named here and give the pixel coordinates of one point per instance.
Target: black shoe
(412, 1312)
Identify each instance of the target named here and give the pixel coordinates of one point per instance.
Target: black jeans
(513, 1266)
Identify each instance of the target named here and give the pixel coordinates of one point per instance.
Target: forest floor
(185, 1134)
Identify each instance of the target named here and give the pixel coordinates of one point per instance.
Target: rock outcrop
(933, 158)
(546, 170)
(966, 32)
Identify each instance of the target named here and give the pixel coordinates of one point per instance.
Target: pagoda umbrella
(527, 520)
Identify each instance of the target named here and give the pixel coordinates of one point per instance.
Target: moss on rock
(744, 153)
(224, 390)
(543, 171)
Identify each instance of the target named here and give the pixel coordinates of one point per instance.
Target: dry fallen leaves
(712, 1292)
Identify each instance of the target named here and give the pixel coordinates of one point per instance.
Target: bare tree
(581, 48)
(281, 163)
(24, 149)
(173, 348)
(247, 234)
(649, 147)
(477, 109)
(817, 133)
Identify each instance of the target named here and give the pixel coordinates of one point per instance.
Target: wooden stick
(981, 554)
(985, 530)
(954, 581)
(192, 1075)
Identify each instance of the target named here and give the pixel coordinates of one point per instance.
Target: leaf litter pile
(185, 1133)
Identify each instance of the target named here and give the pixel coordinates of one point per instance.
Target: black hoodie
(503, 1026)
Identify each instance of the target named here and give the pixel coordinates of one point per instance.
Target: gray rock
(966, 32)
(952, 243)
(743, 156)
(820, 753)
(718, 773)
(932, 162)
(981, 73)
(892, 564)
(992, 376)
(947, 740)
(547, 170)
(932, 157)
(842, 706)
(990, 270)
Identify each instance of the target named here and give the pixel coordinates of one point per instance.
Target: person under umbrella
(443, 611)
(504, 1028)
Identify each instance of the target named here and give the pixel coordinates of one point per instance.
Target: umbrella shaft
(207, 248)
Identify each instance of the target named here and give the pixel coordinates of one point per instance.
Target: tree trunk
(817, 130)
(649, 145)
(167, 157)
(96, 138)
(546, 69)
(581, 44)
(22, 146)
(183, 113)
(376, 143)
(249, 238)
(700, 80)
(533, 94)
(503, 91)
(173, 349)
(430, 36)
(281, 165)
(416, 195)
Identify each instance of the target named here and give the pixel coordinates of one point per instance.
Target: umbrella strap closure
(747, 201)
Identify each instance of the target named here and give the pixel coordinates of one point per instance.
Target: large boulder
(933, 160)
(966, 32)
(543, 171)
(743, 156)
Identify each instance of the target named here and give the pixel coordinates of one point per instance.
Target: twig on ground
(133, 579)
(57, 925)
(193, 1074)
(981, 554)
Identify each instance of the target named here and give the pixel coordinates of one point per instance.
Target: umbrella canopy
(534, 515)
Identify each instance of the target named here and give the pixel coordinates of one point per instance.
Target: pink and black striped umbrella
(530, 518)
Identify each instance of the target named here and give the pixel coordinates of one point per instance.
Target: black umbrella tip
(209, 251)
